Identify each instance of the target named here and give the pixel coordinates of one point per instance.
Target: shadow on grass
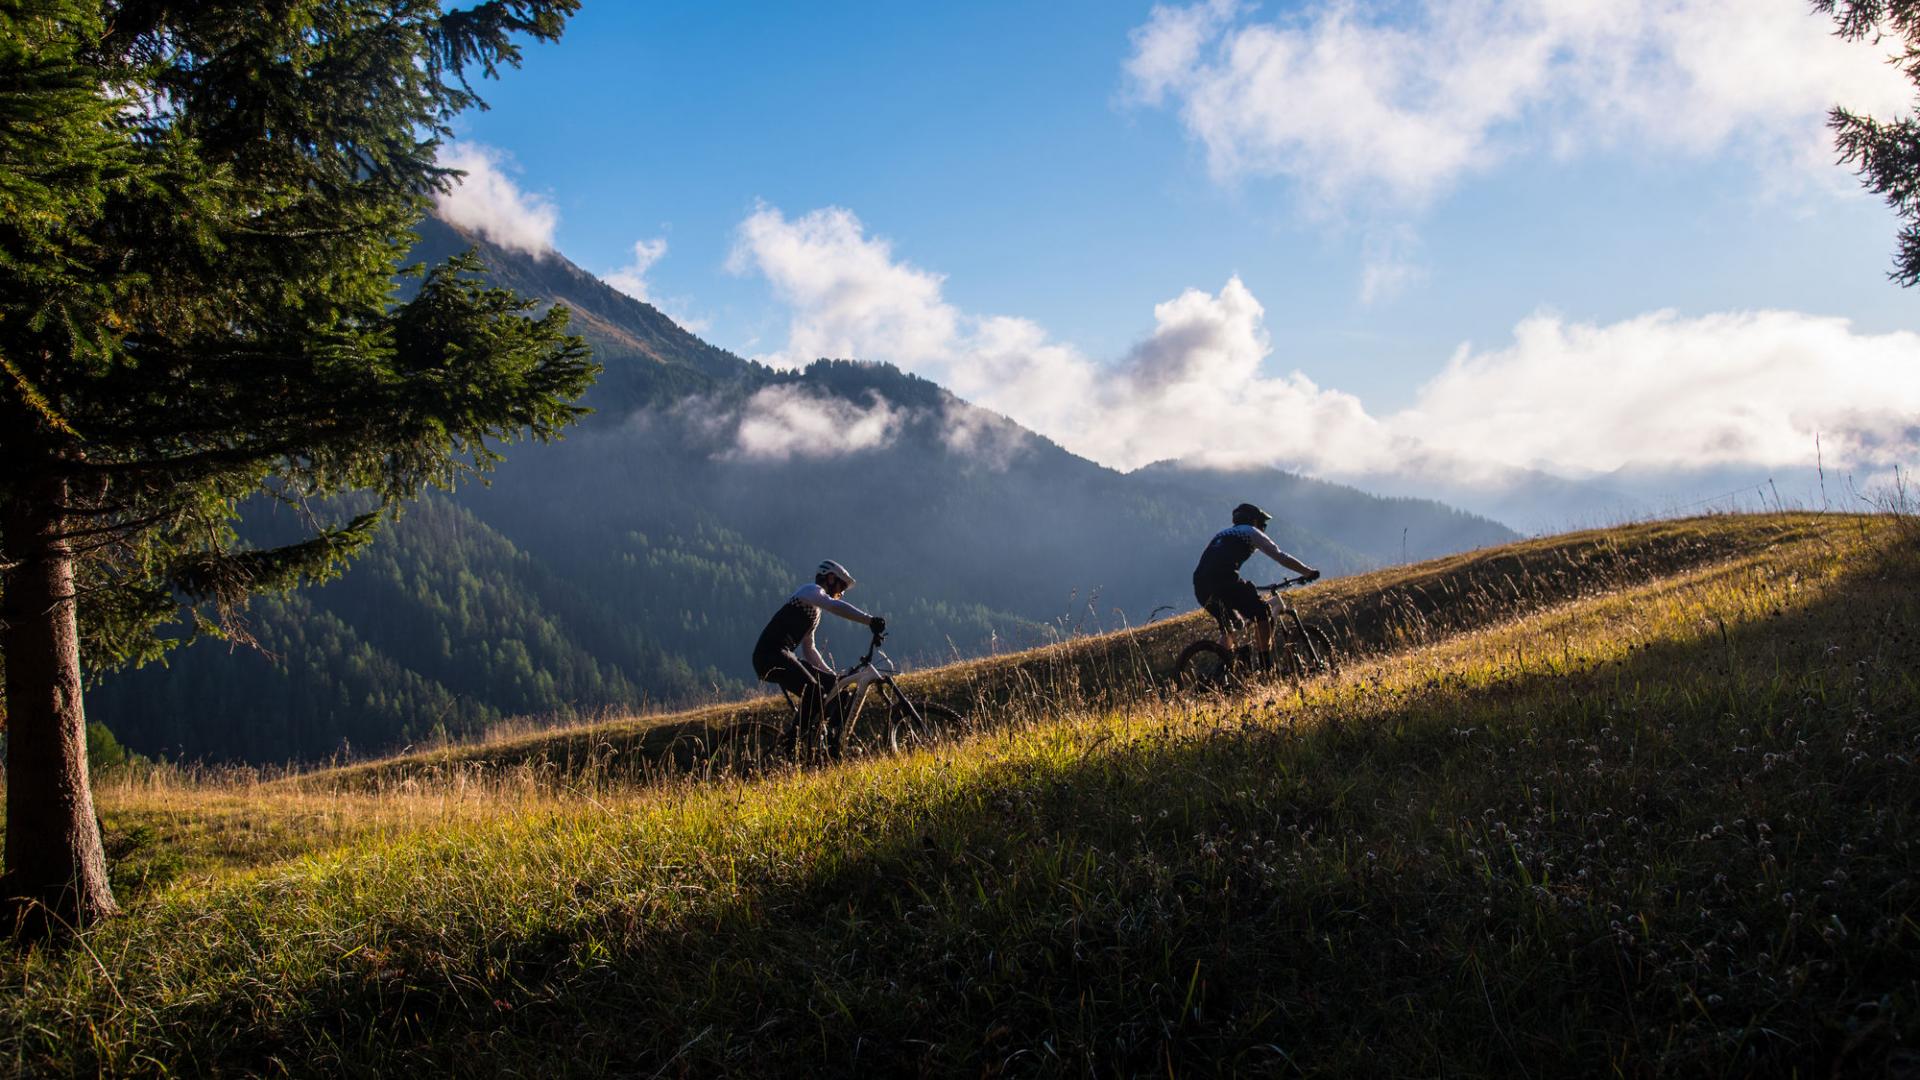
(1694, 859)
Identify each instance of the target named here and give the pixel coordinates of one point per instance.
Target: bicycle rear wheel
(908, 732)
(1204, 665)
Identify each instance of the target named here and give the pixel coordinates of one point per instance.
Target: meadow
(1631, 802)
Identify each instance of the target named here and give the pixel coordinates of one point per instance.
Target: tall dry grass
(1660, 825)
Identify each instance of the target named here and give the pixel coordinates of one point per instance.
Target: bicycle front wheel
(905, 731)
(1329, 658)
(1314, 656)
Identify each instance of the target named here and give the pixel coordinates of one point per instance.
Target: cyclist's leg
(833, 713)
(1263, 631)
(1244, 600)
(1224, 618)
(793, 675)
(1208, 594)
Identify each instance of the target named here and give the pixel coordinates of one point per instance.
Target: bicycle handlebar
(1287, 584)
(872, 647)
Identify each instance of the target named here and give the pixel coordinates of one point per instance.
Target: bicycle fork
(1300, 638)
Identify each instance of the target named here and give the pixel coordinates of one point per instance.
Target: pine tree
(203, 207)
(1885, 152)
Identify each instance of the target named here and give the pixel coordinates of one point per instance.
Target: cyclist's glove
(878, 625)
(1311, 575)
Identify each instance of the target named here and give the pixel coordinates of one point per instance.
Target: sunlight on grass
(1660, 826)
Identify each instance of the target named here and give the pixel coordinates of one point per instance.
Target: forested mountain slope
(636, 560)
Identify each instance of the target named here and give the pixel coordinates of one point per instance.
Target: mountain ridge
(635, 560)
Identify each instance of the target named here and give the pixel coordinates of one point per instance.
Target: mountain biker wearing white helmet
(1217, 583)
(786, 653)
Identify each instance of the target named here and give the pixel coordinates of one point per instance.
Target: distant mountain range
(635, 561)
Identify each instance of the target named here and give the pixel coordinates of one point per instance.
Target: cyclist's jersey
(791, 628)
(1230, 549)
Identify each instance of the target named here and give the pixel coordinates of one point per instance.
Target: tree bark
(56, 868)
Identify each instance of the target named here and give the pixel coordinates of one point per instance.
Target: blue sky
(1072, 165)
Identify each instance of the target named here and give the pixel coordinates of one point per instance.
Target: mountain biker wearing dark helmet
(1217, 583)
(786, 653)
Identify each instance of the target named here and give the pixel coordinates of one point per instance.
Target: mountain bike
(908, 723)
(1300, 648)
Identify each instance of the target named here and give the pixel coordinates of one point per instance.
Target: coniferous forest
(632, 563)
(379, 587)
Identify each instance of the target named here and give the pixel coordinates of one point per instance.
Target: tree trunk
(56, 869)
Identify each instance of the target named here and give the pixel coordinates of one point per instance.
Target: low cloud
(1192, 389)
(983, 435)
(1364, 100)
(632, 278)
(1656, 391)
(488, 201)
(1661, 390)
(785, 422)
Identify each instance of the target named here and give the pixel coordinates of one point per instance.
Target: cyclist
(786, 653)
(1217, 583)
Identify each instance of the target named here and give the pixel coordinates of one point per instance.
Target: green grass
(1656, 820)
(1386, 610)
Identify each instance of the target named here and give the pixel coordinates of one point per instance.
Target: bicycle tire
(1204, 665)
(1320, 658)
(1323, 644)
(905, 733)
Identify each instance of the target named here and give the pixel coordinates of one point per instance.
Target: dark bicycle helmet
(1249, 514)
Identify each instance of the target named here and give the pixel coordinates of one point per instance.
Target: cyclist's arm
(817, 596)
(811, 653)
(1265, 543)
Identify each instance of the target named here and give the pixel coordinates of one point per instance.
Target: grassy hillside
(637, 559)
(1368, 613)
(1636, 802)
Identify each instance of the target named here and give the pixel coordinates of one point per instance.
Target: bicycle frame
(1281, 611)
(859, 680)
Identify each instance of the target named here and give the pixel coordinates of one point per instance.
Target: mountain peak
(628, 335)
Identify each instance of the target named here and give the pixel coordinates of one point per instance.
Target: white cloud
(1388, 265)
(1658, 391)
(1362, 99)
(783, 422)
(982, 434)
(1166, 49)
(489, 202)
(1195, 388)
(850, 298)
(1198, 388)
(632, 278)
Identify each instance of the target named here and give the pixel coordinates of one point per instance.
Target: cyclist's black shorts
(789, 672)
(1220, 596)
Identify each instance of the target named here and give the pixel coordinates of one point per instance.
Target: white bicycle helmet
(829, 568)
